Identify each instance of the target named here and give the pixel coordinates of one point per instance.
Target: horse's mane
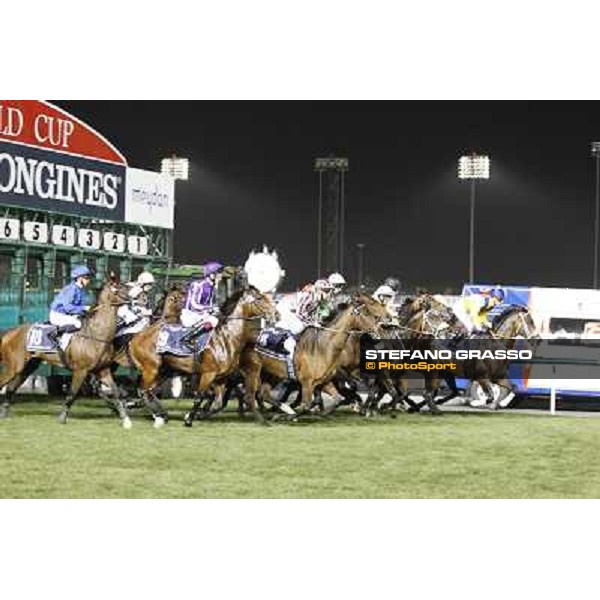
(510, 310)
(404, 311)
(229, 305)
(312, 337)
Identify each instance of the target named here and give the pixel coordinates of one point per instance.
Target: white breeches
(60, 319)
(135, 327)
(189, 318)
(127, 314)
(289, 321)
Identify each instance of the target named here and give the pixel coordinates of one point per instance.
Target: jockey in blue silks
(68, 306)
(199, 310)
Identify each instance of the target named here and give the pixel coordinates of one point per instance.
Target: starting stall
(68, 197)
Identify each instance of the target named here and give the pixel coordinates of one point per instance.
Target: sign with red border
(42, 125)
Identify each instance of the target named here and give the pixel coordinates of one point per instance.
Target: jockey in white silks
(385, 295)
(135, 315)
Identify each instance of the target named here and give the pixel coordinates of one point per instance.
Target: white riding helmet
(145, 278)
(384, 291)
(336, 279)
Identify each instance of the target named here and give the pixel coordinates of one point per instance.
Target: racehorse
(440, 321)
(168, 310)
(89, 351)
(239, 326)
(514, 322)
(317, 351)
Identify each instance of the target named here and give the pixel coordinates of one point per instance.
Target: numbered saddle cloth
(271, 342)
(170, 341)
(39, 340)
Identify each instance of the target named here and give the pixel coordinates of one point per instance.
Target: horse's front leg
(79, 376)
(113, 397)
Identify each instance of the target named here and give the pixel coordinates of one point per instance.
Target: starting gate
(67, 197)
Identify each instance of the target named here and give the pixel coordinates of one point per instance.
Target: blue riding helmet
(80, 271)
(498, 293)
(212, 267)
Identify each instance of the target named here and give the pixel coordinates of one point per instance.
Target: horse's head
(515, 322)
(255, 305)
(113, 292)
(369, 316)
(172, 304)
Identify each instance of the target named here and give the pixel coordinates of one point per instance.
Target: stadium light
(473, 167)
(176, 167)
(595, 148)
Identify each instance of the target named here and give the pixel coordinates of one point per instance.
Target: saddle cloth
(38, 338)
(271, 342)
(170, 341)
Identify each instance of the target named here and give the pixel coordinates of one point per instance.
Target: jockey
(199, 310)
(135, 315)
(306, 307)
(313, 302)
(385, 295)
(393, 283)
(473, 310)
(337, 283)
(68, 306)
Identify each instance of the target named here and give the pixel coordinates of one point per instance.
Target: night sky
(252, 182)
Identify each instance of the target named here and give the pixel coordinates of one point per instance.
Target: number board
(88, 238)
(137, 245)
(10, 229)
(114, 242)
(35, 232)
(63, 235)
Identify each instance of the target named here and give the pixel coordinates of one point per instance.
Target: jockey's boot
(60, 329)
(192, 334)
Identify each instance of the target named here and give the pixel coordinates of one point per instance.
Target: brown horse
(318, 351)
(439, 321)
(168, 310)
(238, 327)
(90, 351)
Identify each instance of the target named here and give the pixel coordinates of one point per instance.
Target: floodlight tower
(595, 147)
(177, 168)
(331, 214)
(473, 167)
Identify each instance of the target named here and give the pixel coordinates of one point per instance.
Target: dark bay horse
(318, 350)
(238, 327)
(439, 321)
(89, 351)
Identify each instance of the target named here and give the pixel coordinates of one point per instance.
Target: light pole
(331, 216)
(473, 167)
(177, 168)
(595, 147)
(360, 263)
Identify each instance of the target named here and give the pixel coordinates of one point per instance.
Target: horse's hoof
(187, 420)
(62, 417)
(159, 422)
(126, 423)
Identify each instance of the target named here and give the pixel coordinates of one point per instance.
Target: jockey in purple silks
(199, 309)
